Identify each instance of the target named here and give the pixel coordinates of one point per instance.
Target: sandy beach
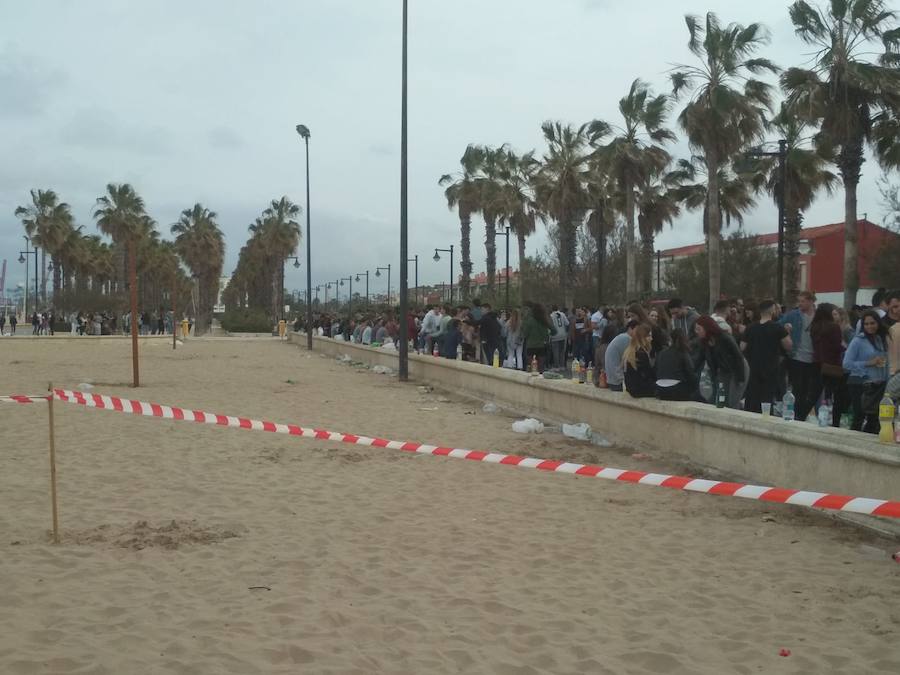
(194, 549)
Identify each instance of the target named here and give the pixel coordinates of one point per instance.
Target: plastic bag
(382, 370)
(528, 426)
(581, 432)
(490, 408)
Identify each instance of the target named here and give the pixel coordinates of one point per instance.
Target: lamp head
(303, 130)
(296, 264)
(342, 282)
(357, 277)
(437, 257)
(21, 258)
(377, 273)
(50, 266)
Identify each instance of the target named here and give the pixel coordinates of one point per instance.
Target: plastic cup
(767, 409)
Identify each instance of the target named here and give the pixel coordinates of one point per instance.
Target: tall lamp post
(318, 288)
(378, 271)
(24, 258)
(506, 273)
(337, 294)
(781, 154)
(437, 258)
(403, 356)
(304, 134)
(350, 297)
(296, 267)
(415, 259)
(366, 275)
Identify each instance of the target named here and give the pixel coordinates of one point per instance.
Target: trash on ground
(581, 432)
(388, 347)
(425, 389)
(429, 409)
(490, 408)
(528, 426)
(641, 456)
(381, 370)
(600, 441)
(85, 386)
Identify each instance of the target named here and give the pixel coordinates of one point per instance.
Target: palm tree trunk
(44, 276)
(849, 163)
(647, 242)
(490, 245)
(567, 260)
(793, 221)
(630, 270)
(465, 246)
(714, 225)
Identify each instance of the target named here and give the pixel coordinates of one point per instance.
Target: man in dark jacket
(489, 330)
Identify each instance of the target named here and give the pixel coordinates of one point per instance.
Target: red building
(821, 258)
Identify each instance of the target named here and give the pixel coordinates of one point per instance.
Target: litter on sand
(528, 426)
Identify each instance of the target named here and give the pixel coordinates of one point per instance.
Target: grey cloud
(225, 138)
(97, 128)
(27, 85)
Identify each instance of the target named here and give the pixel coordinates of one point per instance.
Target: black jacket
(489, 327)
(641, 381)
(725, 358)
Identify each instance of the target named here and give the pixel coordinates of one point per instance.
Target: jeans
(803, 378)
(867, 423)
(558, 349)
(734, 388)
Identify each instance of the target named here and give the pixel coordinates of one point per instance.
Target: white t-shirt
(560, 326)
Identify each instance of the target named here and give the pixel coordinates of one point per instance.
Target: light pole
(506, 234)
(378, 274)
(304, 134)
(350, 300)
(437, 258)
(781, 154)
(403, 356)
(318, 288)
(24, 258)
(337, 295)
(296, 267)
(366, 274)
(415, 259)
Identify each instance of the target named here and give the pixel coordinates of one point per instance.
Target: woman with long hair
(866, 359)
(660, 319)
(727, 365)
(640, 375)
(676, 375)
(660, 340)
(515, 342)
(842, 319)
(828, 354)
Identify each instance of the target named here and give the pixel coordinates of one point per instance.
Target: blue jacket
(858, 353)
(795, 318)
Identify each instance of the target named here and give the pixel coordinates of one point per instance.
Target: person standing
(802, 371)
(13, 322)
(515, 342)
(866, 359)
(560, 325)
(828, 355)
(762, 344)
(615, 355)
(727, 365)
(682, 317)
(2, 323)
(489, 332)
(430, 325)
(536, 333)
(580, 329)
(598, 323)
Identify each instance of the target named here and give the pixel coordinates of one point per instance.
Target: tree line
(604, 175)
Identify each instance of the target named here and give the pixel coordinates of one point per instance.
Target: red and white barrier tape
(23, 398)
(819, 500)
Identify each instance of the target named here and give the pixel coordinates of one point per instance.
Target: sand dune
(191, 549)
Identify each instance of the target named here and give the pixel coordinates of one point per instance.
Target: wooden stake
(53, 466)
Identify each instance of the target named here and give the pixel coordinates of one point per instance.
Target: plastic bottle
(720, 395)
(496, 360)
(897, 429)
(534, 365)
(459, 352)
(886, 412)
(846, 420)
(589, 377)
(825, 413)
(576, 364)
(582, 374)
(434, 349)
(787, 410)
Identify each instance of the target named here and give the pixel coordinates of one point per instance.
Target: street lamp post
(304, 134)
(337, 295)
(24, 258)
(781, 154)
(437, 258)
(366, 275)
(318, 288)
(296, 266)
(378, 274)
(350, 300)
(403, 356)
(415, 259)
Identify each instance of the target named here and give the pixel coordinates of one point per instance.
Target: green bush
(246, 320)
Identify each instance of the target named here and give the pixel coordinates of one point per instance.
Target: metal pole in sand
(53, 466)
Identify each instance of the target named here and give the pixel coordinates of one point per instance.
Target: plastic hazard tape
(23, 398)
(819, 500)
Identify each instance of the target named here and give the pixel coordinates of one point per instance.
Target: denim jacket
(860, 351)
(795, 318)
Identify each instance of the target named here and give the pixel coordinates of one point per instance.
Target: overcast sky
(197, 101)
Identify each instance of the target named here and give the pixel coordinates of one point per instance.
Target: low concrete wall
(745, 445)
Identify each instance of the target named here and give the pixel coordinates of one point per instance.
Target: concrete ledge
(745, 445)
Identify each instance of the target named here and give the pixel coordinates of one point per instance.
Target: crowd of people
(753, 356)
(93, 323)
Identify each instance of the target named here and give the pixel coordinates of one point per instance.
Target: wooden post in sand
(53, 466)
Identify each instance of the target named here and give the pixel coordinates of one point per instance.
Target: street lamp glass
(437, 257)
(377, 273)
(357, 277)
(297, 264)
(342, 282)
(21, 258)
(303, 130)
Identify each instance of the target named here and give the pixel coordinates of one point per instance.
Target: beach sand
(196, 549)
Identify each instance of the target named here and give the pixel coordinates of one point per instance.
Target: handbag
(831, 370)
(872, 394)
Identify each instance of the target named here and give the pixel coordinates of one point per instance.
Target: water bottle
(534, 365)
(459, 352)
(787, 406)
(825, 412)
(720, 395)
(576, 364)
(582, 374)
(589, 376)
(495, 362)
(886, 418)
(846, 421)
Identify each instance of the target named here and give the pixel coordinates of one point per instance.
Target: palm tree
(561, 192)
(516, 201)
(279, 235)
(806, 174)
(46, 221)
(604, 200)
(658, 204)
(200, 243)
(490, 187)
(462, 193)
(119, 216)
(631, 159)
(726, 111)
(855, 100)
